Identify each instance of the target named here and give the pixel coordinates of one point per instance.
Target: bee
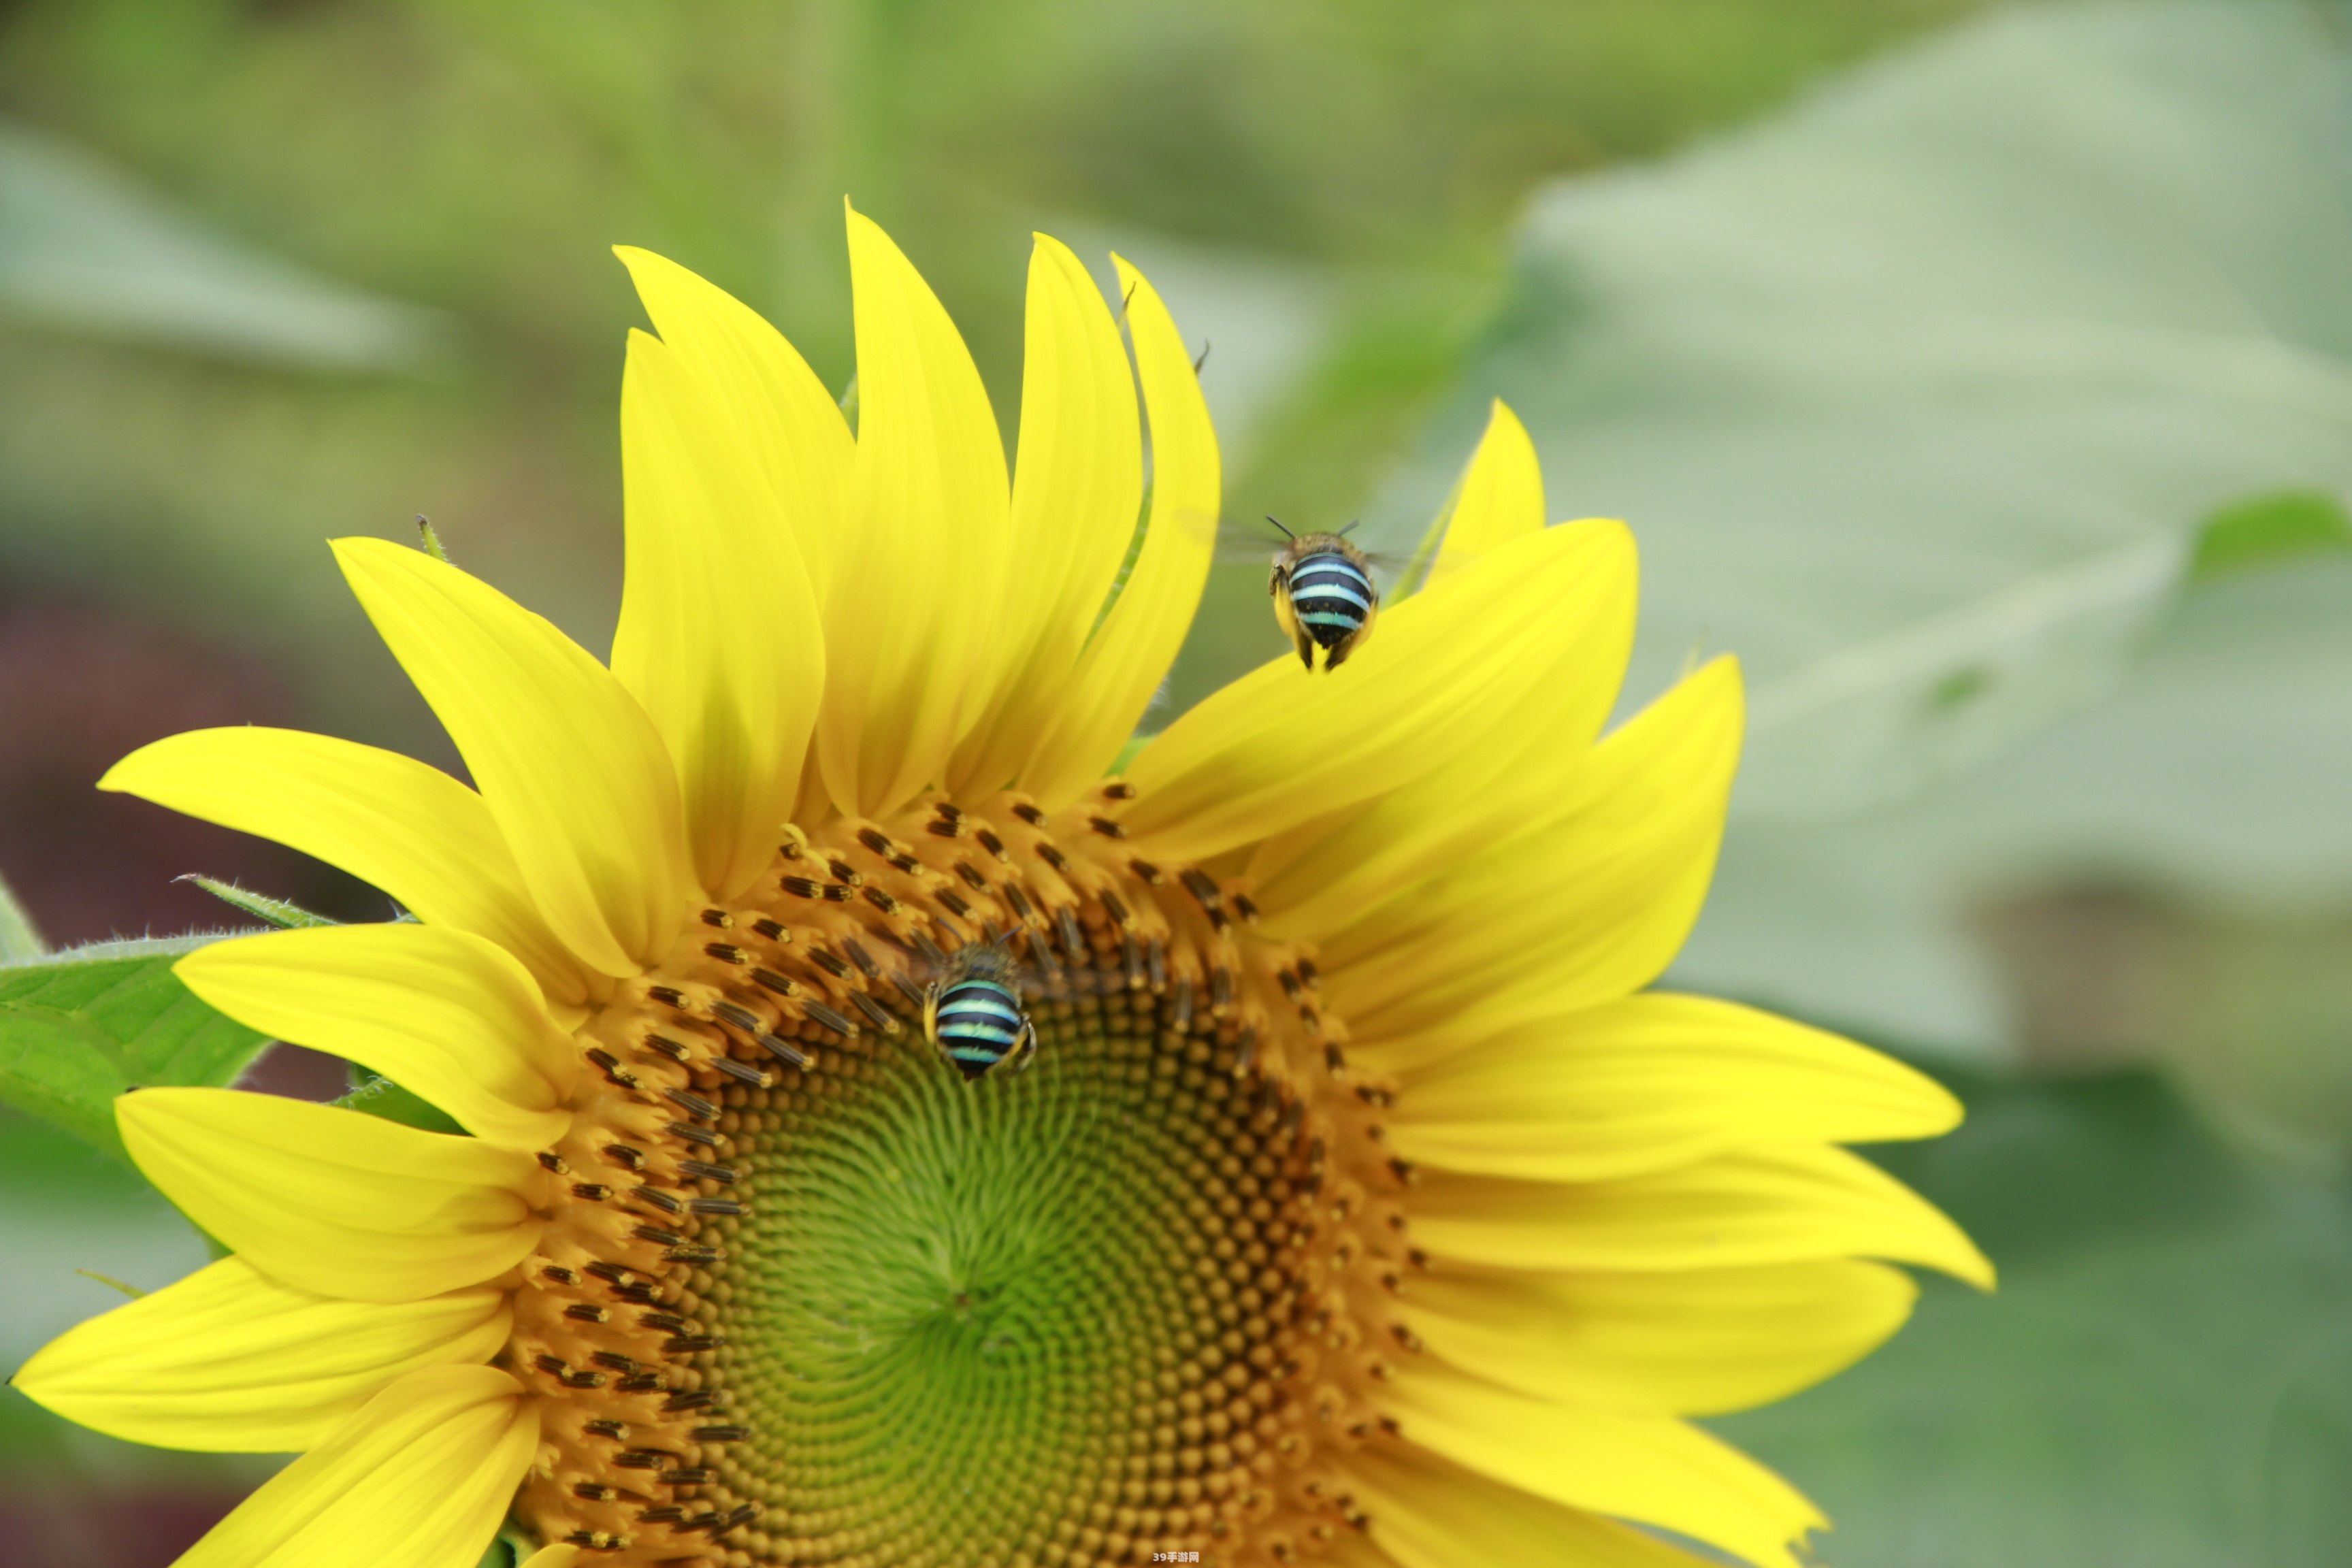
(973, 1012)
(1323, 595)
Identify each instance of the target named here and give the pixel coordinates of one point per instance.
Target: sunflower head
(889, 1138)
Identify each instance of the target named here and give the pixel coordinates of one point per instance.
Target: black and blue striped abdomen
(979, 1022)
(1331, 596)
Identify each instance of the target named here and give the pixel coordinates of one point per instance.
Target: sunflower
(1360, 1205)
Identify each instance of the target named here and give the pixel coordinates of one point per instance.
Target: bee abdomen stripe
(986, 999)
(1331, 598)
(978, 1029)
(979, 1021)
(1331, 579)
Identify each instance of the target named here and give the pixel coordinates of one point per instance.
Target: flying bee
(1323, 595)
(973, 1011)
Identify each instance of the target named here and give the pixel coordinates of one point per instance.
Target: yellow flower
(1360, 1206)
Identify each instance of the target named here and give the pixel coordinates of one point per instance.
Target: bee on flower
(1367, 1206)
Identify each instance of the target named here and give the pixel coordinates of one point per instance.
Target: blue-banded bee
(973, 1012)
(1323, 595)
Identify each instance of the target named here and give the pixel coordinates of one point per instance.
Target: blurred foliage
(82, 250)
(2270, 530)
(2007, 379)
(1921, 395)
(84, 680)
(478, 159)
(2161, 1382)
(69, 1212)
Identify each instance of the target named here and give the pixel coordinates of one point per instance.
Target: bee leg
(1340, 650)
(1024, 1049)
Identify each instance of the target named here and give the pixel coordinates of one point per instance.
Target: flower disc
(849, 1306)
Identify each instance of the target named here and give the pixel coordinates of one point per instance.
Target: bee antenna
(988, 933)
(1345, 532)
(1286, 532)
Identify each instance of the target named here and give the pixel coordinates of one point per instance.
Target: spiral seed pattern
(815, 1299)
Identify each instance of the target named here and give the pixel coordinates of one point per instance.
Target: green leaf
(379, 1096)
(80, 1028)
(2306, 1507)
(1918, 394)
(132, 1292)
(2159, 1382)
(83, 248)
(1940, 401)
(2269, 531)
(278, 912)
(19, 939)
(2212, 777)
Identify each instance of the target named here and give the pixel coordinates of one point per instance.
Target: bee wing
(1238, 543)
(1048, 974)
(1040, 970)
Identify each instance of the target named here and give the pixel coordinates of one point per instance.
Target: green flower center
(967, 1322)
(815, 1298)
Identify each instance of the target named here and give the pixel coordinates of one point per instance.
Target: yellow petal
(1355, 1551)
(1429, 1512)
(444, 1013)
(1283, 744)
(1760, 1206)
(720, 638)
(230, 1362)
(410, 829)
(1127, 660)
(332, 1201)
(1077, 491)
(1651, 1468)
(1501, 496)
(1652, 1081)
(912, 618)
(1695, 1342)
(420, 1476)
(572, 769)
(1588, 903)
(1321, 875)
(779, 413)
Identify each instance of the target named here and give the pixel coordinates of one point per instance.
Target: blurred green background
(1982, 374)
